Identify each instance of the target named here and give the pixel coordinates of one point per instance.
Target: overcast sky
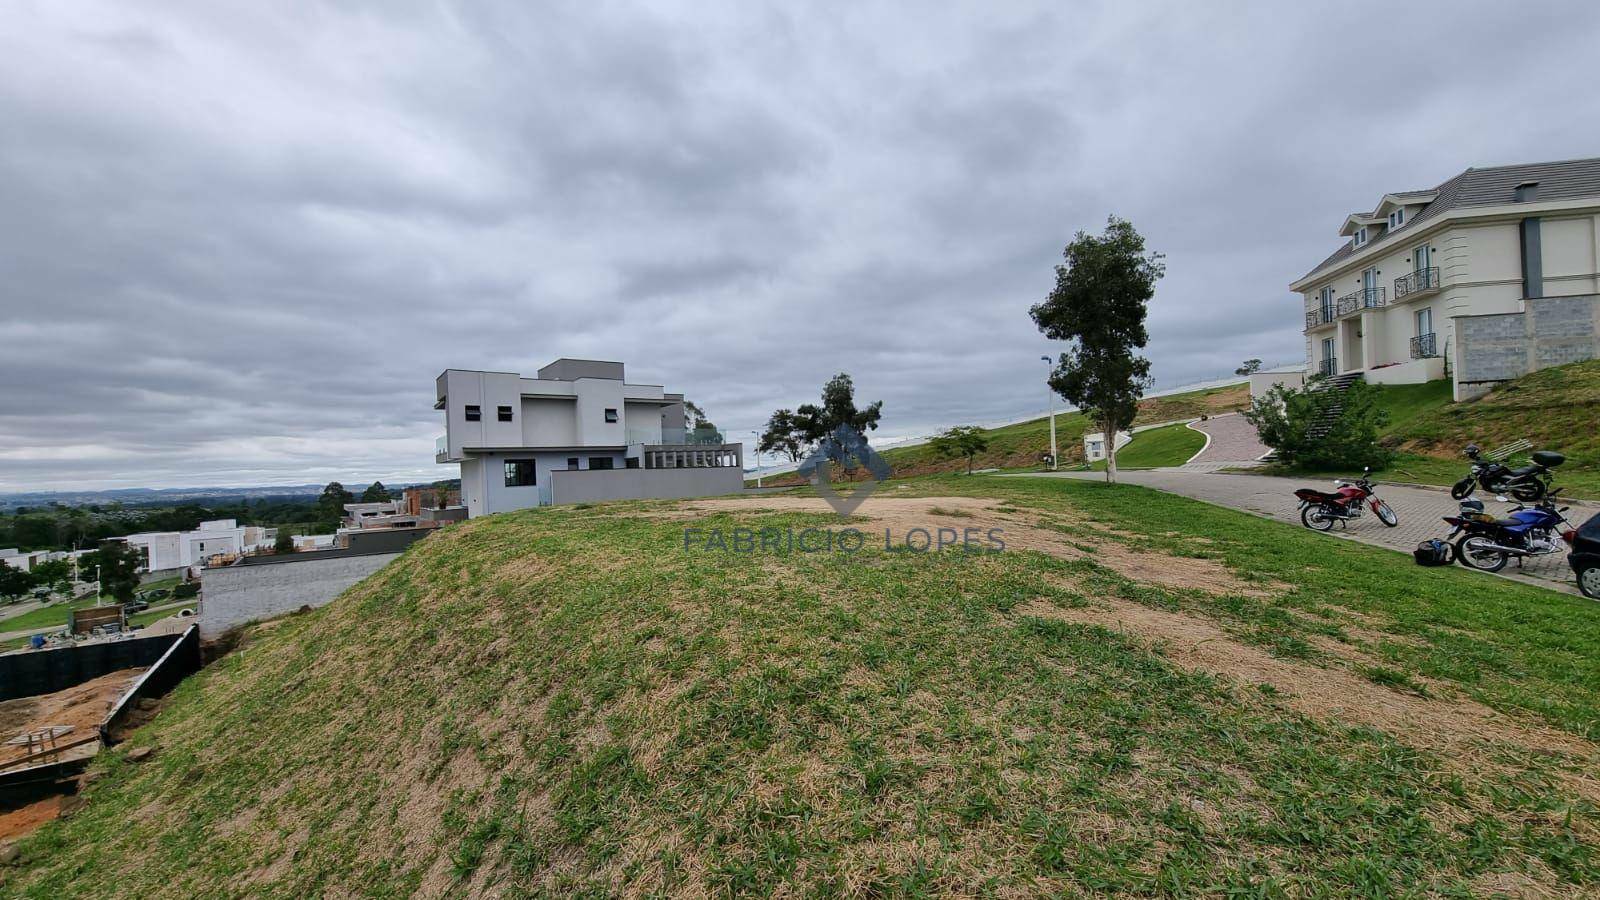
(239, 240)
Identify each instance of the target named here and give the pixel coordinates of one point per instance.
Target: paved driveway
(1420, 511)
(1231, 442)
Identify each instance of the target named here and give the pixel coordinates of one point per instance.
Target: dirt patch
(83, 707)
(1456, 728)
(1085, 542)
(15, 823)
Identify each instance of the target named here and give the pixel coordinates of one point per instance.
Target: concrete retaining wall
(592, 485)
(1552, 331)
(235, 595)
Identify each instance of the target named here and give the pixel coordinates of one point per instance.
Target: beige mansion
(1482, 243)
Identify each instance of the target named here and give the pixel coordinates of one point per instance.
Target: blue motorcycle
(1488, 543)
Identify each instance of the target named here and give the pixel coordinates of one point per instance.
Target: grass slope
(567, 703)
(1556, 408)
(1021, 446)
(1168, 446)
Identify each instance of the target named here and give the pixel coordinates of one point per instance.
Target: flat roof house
(1386, 304)
(576, 432)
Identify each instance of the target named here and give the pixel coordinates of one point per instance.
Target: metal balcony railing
(1320, 316)
(1329, 366)
(1416, 282)
(1366, 298)
(1424, 346)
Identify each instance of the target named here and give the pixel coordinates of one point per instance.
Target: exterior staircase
(1331, 408)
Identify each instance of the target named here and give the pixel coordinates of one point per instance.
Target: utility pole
(757, 446)
(1053, 455)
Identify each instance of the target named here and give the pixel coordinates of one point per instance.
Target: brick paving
(1420, 510)
(1233, 443)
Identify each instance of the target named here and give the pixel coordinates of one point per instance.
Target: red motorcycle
(1319, 510)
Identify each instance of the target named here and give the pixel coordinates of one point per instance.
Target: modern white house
(1385, 304)
(163, 551)
(576, 432)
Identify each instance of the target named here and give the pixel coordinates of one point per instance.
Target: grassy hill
(1141, 694)
(1556, 408)
(1021, 446)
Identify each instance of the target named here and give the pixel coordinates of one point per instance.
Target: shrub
(1322, 429)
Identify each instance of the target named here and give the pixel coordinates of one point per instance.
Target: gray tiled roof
(1565, 180)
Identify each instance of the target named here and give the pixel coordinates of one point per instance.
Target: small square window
(474, 413)
(520, 473)
(504, 413)
(601, 462)
(611, 415)
(572, 464)
(632, 462)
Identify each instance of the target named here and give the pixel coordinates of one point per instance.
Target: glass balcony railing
(441, 445)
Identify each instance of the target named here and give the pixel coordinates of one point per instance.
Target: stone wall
(234, 595)
(1552, 331)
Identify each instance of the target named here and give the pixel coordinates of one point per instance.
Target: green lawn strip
(563, 703)
(54, 615)
(1514, 647)
(1171, 445)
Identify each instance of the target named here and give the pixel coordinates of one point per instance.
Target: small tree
(1099, 305)
(376, 493)
(795, 433)
(15, 582)
(330, 504)
(284, 542)
(119, 570)
(962, 440)
(783, 435)
(1322, 429)
(1250, 367)
(54, 573)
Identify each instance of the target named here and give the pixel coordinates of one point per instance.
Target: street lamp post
(757, 446)
(1052, 420)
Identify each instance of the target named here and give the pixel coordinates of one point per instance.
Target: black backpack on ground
(1434, 552)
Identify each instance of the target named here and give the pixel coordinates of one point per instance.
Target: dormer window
(1397, 218)
(1361, 236)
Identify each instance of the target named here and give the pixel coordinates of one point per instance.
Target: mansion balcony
(1418, 284)
(1425, 346)
(1317, 317)
(1328, 367)
(1366, 298)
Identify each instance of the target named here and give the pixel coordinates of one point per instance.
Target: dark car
(135, 605)
(1585, 557)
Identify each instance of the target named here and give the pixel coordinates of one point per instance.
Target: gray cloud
(237, 241)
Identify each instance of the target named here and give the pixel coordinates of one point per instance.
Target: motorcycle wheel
(1529, 493)
(1462, 489)
(1316, 518)
(1589, 582)
(1473, 551)
(1385, 513)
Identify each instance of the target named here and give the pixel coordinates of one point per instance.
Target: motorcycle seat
(1524, 470)
(1510, 523)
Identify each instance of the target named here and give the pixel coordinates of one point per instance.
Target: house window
(504, 413)
(1361, 236)
(474, 413)
(1422, 258)
(1397, 218)
(572, 464)
(601, 462)
(611, 415)
(632, 462)
(1424, 322)
(1325, 300)
(519, 473)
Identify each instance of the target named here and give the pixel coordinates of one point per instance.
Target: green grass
(1022, 446)
(54, 615)
(567, 702)
(1555, 408)
(1169, 446)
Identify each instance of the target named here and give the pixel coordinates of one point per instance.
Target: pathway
(1420, 510)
